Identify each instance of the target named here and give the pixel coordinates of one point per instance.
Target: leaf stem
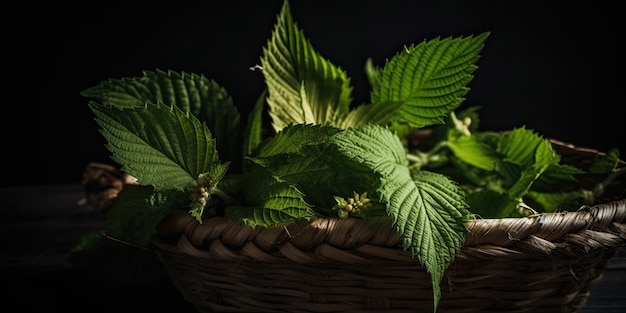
(223, 195)
(600, 188)
(433, 156)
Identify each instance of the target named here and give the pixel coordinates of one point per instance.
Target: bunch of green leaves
(183, 139)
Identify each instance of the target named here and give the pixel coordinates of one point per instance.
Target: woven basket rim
(602, 226)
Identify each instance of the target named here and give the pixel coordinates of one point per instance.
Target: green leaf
(364, 114)
(472, 150)
(489, 203)
(304, 87)
(431, 218)
(531, 154)
(157, 144)
(371, 145)
(372, 72)
(300, 154)
(519, 146)
(136, 211)
(555, 177)
(427, 208)
(606, 163)
(204, 98)
(430, 78)
(253, 134)
(275, 203)
(293, 138)
(207, 186)
(559, 201)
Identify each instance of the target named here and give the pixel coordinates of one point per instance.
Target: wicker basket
(544, 263)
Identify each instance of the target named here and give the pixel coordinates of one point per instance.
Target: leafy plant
(182, 138)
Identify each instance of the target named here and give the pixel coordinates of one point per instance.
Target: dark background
(553, 69)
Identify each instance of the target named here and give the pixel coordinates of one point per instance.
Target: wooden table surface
(41, 273)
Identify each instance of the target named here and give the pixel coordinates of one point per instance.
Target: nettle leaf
(430, 78)
(525, 157)
(474, 151)
(158, 144)
(293, 138)
(207, 182)
(269, 201)
(555, 177)
(204, 98)
(427, 209)
(372, 145)
(529, 154)
(371, 113)
(136, 211)
(304, 87)
(302, 156)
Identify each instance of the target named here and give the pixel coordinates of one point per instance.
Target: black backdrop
(553, 69)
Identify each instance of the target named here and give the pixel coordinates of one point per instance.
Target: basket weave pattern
(543, 263)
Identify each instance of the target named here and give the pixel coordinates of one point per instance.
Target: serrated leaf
(304, 87)
(293, 138)
(208, 182)
(433, 226)
(555, 177)
(519, 146)
(159, 145)
(283, 204)
(530, 154)
(472, 150)
(378, 113)
(203, 97)
(430, 78)
(427, 208)
(136, 211)
(300, 155)
(371, 145)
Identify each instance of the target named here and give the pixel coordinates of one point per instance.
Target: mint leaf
(430, 78)
(157, 144)
(303, 86)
